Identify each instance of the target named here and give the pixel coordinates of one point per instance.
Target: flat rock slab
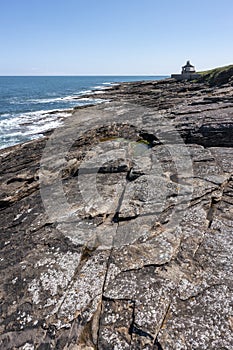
(116, 229)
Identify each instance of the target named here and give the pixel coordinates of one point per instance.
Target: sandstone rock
(116, 230)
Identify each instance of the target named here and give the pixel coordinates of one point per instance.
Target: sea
(30, 106)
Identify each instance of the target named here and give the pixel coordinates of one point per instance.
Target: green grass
(216, 70)
(218, 75)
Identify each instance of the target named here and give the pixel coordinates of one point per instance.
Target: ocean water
(30, 106)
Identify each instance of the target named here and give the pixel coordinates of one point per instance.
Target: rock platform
(117, 228)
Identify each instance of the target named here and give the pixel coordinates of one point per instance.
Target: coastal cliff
(116, 229)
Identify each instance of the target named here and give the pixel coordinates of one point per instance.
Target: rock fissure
(115, 270)
(201, 293)
(157, 345)
(147, 265)
(116, 218)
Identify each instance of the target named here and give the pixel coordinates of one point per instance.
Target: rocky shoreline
(116, 229)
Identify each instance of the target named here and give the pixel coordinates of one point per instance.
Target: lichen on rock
(116, 230)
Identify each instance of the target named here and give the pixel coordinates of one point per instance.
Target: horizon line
(85, 75)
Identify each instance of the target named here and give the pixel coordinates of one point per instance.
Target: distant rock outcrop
(116, 230)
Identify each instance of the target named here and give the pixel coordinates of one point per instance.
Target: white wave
(85, 99)
(100, 87)
(23, 127)
(71, 98)
(50, 100)
(98, 92)
(83, 92)
(42, 127)
(9, 141)
(32, 122)
(5, 115)
(16, 102)
(111, 84)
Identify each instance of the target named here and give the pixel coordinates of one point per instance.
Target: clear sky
(113, 37)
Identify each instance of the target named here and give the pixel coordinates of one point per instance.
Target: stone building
(188, 73)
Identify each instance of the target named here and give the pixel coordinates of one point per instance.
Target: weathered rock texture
(136, 252)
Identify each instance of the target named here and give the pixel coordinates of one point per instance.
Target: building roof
(188, 64)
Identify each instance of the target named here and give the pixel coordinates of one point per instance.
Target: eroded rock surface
(116, 229)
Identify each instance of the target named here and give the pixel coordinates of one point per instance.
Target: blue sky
(113, 37)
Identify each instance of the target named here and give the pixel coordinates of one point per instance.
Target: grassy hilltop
(218, 76)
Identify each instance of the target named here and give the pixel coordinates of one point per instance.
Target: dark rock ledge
(116, 230)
